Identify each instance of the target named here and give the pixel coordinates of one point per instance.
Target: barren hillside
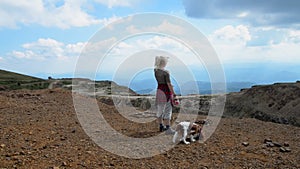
(278, 103)
(39, 129)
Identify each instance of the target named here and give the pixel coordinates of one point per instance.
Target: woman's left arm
(170, 84)
(171, 88)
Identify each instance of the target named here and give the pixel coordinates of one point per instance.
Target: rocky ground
(40, 129)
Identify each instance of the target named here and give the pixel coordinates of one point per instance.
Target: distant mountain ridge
(148, 86)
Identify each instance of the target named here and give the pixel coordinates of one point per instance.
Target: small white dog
(183, 129)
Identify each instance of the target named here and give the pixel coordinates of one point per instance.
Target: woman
(164, 95)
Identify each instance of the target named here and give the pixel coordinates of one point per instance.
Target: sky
(255, 41)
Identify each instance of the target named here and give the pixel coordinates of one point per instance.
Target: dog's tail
(175, 137)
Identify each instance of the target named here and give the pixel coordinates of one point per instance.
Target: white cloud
(44, 49)
(107, 21)
(231, 33)
(132, 29)
(284, 52)
(229, 41)
(44, 56)
(150, 43)
(294, 36)
(98, 47)
(115, 3)
(140, 43)
(231, 45)
(166, 26)
(68, 14)
(242, 14)
(75, 48)
(111, 22)
(28, 54)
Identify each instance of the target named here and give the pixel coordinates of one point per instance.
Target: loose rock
(245, 144)
(287, 149)
(277, 144)
(270, 144)
(268, 140)
(282, 149)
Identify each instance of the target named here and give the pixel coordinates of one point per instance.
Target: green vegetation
(13, 81)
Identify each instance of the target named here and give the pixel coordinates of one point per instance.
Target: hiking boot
(170, 131)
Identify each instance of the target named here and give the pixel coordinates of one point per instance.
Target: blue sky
(256, 41)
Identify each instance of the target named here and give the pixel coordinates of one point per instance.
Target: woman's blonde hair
(160, 62)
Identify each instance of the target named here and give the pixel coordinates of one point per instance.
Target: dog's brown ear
(197, 127)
